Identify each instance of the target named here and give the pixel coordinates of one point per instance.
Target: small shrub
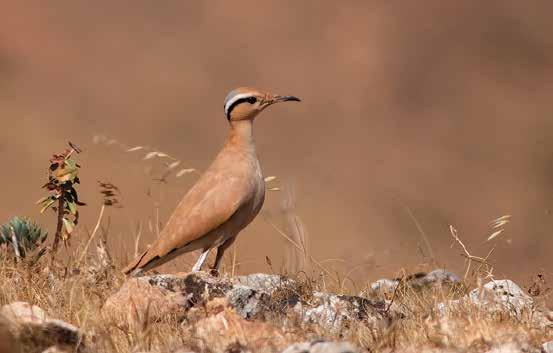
(62, 178)
(21, 235)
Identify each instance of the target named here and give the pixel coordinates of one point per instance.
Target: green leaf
(70, 164)
(67, 171)
(42, 199)
(72, 207)
(47, 204)
(69, 225)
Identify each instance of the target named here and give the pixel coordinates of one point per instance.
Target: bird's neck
(241, 135)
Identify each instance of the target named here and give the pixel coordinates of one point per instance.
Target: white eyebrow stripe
(235, 98)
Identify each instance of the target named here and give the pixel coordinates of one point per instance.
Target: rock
(23, 313)
(500, 295)
(248, 302)
(155, 296)
(138, 298)
(331, 312)
(514, 347)
(496, 295)
(420, 280)
(262, 281)
(440, 276)
(384, 286)
(31, 327)
(7, 339)
(548, 347)
(423, 349)
(55, 349)
(256, 296)
(229, 332)
(334, 312)
(321, 347)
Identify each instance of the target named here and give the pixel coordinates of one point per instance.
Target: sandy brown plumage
(225, 199)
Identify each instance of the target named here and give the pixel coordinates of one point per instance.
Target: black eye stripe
(250, 100)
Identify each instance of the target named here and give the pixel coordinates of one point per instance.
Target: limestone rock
(321, 347)
(228, 331)
(256, 296)
(7, 339)
(31, 327)
(500, 295)
(334, 312)
(262, 281)
(155, 296)
(439, 277)
(384, 286)
(514, 347)
(55, 349)
(23, 313)
(248, 302)
(138, 299)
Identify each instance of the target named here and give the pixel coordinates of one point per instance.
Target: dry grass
(74, 287)
(66, 293)
(76, 295)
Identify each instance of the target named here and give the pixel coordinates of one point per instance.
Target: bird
(225, 199)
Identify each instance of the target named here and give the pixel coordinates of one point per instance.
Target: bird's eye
(251, 100)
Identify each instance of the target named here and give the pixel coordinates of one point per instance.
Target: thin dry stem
(98, 222)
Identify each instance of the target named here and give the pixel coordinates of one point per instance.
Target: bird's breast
(259, 194)
(242, 165)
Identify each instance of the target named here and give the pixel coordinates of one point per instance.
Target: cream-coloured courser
(225, 199)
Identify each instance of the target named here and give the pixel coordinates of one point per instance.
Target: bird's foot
(137, 273)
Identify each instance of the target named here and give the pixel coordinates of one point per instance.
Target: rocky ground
(197, 312)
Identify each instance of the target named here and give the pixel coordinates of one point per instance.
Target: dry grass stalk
(83, 253)
(67, 293)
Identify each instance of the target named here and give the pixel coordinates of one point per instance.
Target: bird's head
(245, 103)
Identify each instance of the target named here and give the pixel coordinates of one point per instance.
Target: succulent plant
(28, 235)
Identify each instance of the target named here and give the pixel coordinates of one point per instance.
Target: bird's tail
(134, 264)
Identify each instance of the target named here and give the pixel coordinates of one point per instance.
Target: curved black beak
(286, 99)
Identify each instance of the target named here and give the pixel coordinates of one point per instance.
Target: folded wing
(210, 203)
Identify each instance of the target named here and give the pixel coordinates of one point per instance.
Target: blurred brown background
(440, 107)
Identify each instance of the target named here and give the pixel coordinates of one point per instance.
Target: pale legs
(201, 260)
(220, 251)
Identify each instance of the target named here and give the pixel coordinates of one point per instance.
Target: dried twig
(83, 254)
(394, 294)
(466, 254)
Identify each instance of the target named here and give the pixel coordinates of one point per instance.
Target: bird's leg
(220, 252)
(198, 266)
